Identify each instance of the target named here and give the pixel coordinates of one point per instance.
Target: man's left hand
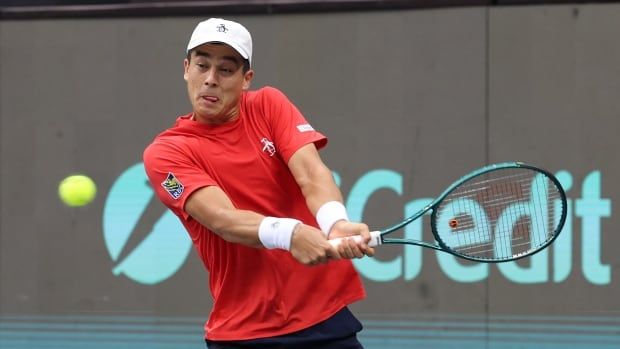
(349, 248)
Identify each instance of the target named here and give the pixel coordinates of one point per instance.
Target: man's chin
(212, 118)
(207, 113)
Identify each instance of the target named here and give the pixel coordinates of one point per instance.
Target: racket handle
(375, 239)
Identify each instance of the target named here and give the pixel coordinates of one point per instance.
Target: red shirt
(257, 292)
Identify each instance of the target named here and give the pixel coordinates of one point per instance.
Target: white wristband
(330, 213)
(276, 232)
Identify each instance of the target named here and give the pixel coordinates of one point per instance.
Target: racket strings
(500, 214)
(502, 201)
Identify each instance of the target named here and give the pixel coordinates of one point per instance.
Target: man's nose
(211, 77)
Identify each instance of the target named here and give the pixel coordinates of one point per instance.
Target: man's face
(215, 81)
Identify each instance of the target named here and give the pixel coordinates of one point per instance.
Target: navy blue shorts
(337, 332)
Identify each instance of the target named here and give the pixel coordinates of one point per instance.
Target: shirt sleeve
(290, 129)
(173, 175)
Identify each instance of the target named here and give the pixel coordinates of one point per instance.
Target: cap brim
(242, 53)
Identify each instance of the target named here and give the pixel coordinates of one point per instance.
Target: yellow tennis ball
(77, 190)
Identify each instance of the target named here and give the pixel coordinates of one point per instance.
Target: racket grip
(375, 239)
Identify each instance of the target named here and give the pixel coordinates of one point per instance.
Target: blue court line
(366, 317)
(483, 317)
(481, 339)
(493, 325)
(105, 336)
(412, 332)
(389, 343)
(408, 334)
(370, 316)
(373, 324)
(524, 336)
(44, 344)
(122, 321)
(20, 326)
(369, 343)
(103, 318)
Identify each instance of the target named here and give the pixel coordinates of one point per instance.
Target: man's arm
(211, 207)
(318, 187)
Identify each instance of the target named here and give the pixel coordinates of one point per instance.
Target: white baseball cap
(230, 33)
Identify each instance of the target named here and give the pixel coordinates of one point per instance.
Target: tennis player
(243, 173)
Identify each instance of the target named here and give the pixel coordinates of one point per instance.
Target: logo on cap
(222, 28)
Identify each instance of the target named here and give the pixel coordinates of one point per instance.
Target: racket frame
(441, 246)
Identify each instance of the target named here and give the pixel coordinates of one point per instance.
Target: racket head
(500, 213)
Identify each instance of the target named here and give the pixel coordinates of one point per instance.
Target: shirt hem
(343, 304)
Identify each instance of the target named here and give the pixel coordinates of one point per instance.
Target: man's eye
(201, 65)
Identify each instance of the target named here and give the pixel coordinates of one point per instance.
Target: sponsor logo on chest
(268, 146)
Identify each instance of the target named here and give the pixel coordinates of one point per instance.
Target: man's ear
(247, 79)
(185, 69)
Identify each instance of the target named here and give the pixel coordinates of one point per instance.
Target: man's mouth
(211, 99)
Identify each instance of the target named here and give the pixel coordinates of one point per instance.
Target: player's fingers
(365, 233)
(317, 261)
(346, 249)
(360, 249)
(370, 251)
(354, 250)
(363, 249)
(332, 252)
(320, 255)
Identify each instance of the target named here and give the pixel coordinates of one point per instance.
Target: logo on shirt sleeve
(305, 128)
(173, 186)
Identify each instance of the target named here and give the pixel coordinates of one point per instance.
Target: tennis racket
(498, 213)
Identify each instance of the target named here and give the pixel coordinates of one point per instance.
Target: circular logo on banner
(148, 249)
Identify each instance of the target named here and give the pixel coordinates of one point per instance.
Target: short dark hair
(246, 63)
